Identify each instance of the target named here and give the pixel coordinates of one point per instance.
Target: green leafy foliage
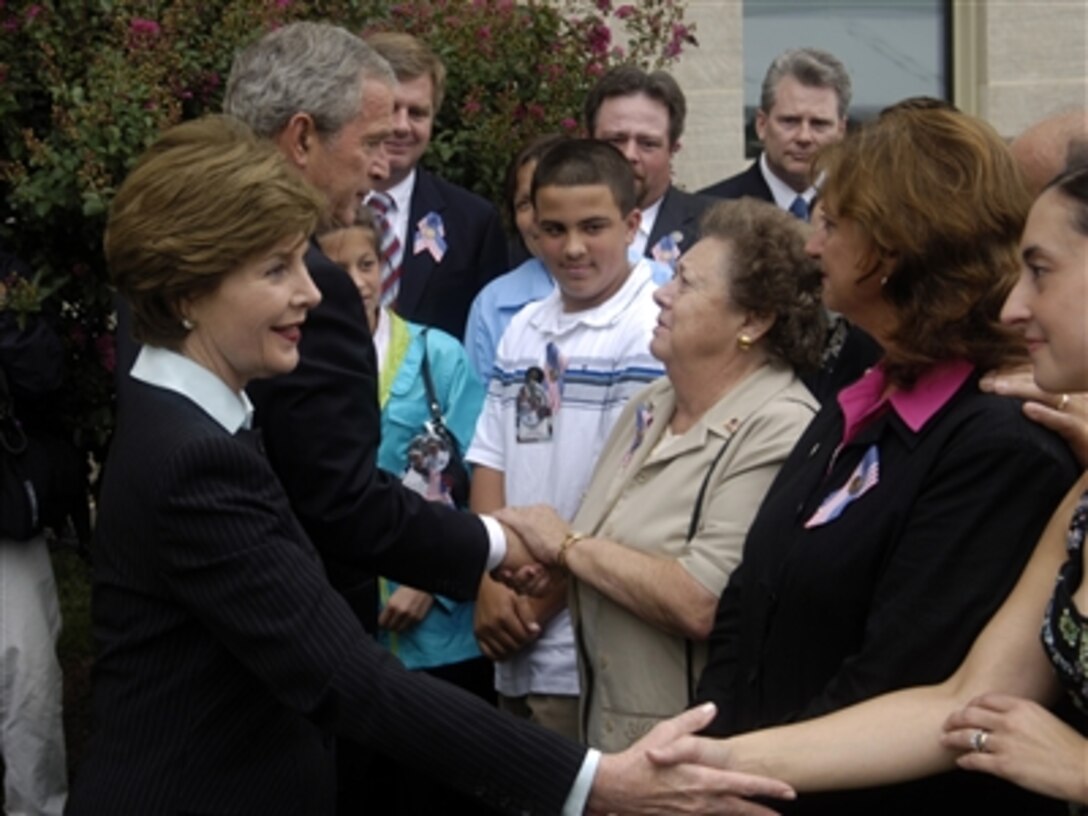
(86, 86)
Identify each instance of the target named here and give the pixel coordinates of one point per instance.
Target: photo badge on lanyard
(534, 409)
(540, 396)
(429, 455)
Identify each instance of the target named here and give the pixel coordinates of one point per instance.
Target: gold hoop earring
(744, 342)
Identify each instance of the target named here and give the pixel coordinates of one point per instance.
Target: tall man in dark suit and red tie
(803, 106)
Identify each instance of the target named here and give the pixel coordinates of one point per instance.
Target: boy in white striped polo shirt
(564, 369)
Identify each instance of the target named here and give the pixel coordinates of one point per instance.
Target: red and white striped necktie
(391, 250)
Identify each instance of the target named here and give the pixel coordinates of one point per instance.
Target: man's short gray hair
(313, 68)
(811, 67)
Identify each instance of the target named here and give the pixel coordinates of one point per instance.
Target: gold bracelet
(569, 540)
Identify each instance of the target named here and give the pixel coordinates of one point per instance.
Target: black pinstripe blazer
(226, 660)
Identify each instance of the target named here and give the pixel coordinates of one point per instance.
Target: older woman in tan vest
(664, 519)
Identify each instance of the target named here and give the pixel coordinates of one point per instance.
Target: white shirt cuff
(579, 793)
(497, 539)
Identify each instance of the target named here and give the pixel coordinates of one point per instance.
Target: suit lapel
(679, 213)
(667, 221)
(418, 268)
(756, 185)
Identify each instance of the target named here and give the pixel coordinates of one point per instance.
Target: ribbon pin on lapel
(644, 418)
(430, 236)
(667, 250)
(865, 477)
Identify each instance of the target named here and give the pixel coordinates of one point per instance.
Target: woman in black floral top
(990, 716)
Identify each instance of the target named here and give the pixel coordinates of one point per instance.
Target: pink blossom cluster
(143, 27)
(13, 23)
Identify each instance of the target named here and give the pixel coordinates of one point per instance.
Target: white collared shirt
(176, 372)
(645, 227)
(381, 336)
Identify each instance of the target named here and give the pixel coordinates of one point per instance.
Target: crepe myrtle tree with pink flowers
(85, 87)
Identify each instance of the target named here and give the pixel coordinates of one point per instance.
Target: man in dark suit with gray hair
(805, 97)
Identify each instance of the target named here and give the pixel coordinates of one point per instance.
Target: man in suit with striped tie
(440, 243)
(806, 94)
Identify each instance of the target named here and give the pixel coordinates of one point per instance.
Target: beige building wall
(1021, 60)
(713, 81)
(1014, 62)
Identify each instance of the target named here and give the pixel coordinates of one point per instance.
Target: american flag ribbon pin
(864, 478)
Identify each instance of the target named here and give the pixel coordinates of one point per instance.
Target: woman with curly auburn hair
(906, 512)
(680, 478)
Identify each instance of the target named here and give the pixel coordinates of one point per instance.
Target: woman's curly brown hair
(770, 275)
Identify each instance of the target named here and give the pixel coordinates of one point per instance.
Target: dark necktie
(799, 207)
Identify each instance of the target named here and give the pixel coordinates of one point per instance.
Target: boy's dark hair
(586, 162)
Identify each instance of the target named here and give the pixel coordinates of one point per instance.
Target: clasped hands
(671, 769)
(507, 621)
(534, 536)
